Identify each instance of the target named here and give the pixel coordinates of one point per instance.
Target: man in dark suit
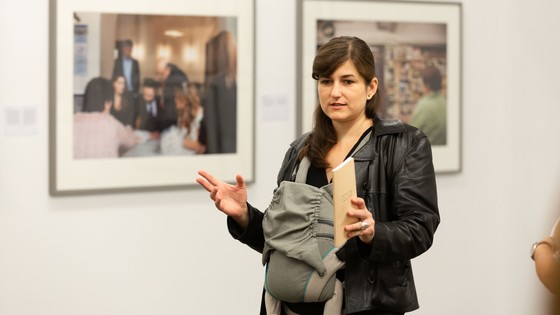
(128, 67)
(150, 112)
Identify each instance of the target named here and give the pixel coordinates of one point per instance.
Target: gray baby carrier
(299, 250)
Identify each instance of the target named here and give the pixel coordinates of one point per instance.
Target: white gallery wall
(169, 252)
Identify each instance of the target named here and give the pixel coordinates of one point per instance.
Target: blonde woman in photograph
(183, 138)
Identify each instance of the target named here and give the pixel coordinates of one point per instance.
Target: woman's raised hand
(230, 199)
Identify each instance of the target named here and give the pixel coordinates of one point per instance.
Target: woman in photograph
(183, 138)
(124, 108)
(190, 114)
(396, 210)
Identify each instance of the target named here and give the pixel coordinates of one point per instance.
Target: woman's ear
(372, 88)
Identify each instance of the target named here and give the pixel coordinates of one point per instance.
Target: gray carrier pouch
(299, 250)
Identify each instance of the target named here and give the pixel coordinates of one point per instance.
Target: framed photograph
(417, 51)
(145, 93)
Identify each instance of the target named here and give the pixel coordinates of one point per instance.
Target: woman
(189, 117)
(397, 200)
(183, 138)
(123, 102)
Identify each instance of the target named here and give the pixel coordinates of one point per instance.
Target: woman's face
(344, 93)
(119, 85)
(180, 103)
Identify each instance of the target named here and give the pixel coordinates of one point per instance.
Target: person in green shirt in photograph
(430, 114)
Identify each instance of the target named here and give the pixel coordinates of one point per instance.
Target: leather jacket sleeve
(252, 236)
(414, 206)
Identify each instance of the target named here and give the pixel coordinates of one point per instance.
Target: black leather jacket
(395, 177)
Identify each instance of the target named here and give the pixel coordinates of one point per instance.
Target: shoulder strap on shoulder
(300, 141)
(302, 169)
(291, 158)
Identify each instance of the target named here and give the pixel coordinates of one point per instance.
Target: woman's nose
(335, 92)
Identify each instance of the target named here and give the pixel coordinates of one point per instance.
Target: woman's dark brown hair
(329, 57)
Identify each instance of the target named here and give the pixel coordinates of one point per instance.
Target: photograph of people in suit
(150, 112)
(127, 66)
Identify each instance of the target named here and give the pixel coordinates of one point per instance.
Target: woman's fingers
(213, 193)
(364, 228)
(211, 179)
(358, 203)
(207, 181)
(240, 181)
(204, 183)
(217, 203)
(360, 214)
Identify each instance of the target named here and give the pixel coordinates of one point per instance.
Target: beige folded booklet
(344, 188)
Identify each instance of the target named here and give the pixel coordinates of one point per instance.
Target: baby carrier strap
(302, 169)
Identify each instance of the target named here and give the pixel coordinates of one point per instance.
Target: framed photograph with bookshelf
(145, 93)
(417, 51)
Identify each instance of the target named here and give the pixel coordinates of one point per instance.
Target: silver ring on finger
(365, 225)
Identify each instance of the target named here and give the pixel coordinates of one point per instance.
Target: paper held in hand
(344, 188)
